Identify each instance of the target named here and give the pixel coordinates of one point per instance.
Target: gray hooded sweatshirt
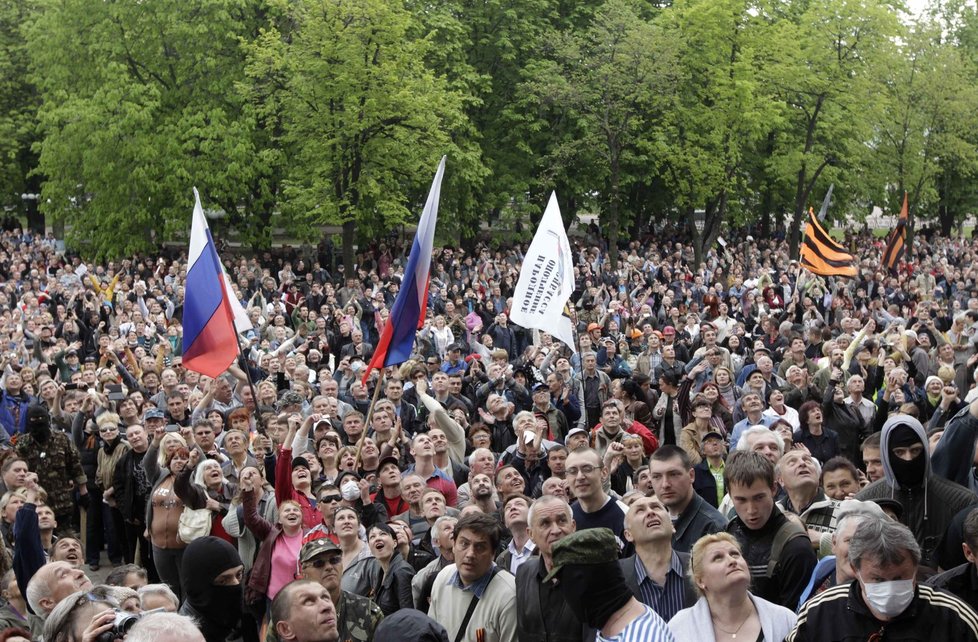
(928, 508)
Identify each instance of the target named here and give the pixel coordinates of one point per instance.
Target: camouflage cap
(290, 398)
(590, 546)
(312, 549)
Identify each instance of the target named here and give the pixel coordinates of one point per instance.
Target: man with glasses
(594, 508)
(357, 617)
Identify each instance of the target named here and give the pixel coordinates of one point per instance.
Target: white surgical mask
(889, 598)
(350, 490)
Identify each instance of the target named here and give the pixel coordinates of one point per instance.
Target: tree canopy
(304, 113)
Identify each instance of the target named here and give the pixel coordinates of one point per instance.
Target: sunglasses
(329, 499)
(321, 562)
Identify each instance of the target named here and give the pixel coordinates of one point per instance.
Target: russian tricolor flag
(209, 313)
(397, 340)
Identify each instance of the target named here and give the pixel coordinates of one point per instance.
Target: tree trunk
(348, 238)
(794, 239)
(614, 224)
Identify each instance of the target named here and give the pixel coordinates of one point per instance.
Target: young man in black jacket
(778, 552)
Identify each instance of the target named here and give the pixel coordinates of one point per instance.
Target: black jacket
(129, 500)
(794, 567)
(705, 484)
(542, 614)
(697, 520)
(848, 424)
(393, 592)
(927, 510)
(960, 580)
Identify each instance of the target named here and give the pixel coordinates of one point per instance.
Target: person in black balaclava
(409, 624)
(929, 501)
(211, 581)
(52, 455)
(38, 423)
(585, 564)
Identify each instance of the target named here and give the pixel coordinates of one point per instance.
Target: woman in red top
(293, 480)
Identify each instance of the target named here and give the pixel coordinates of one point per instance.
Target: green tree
(612, 83)
(138, 106)
(929, 117)
(18, 106)
(822, 60)
(719, 113)
(359, 116)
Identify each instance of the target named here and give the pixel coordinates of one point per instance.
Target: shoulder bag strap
(472, 604)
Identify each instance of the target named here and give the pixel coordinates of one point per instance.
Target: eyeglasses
(586, 469)
(321, 562)
(108, 429)
(329, 499)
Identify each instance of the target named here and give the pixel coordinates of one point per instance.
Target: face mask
(350, 490)
(889, 598)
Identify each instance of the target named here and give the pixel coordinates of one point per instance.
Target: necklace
(733, 634)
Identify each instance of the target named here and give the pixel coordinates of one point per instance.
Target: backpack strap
(786, 532)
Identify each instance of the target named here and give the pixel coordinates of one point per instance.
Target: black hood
(408, 624)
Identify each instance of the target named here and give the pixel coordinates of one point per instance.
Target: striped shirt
(665, 600)
(645, 628)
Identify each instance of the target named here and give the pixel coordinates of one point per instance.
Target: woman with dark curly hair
(822, 442)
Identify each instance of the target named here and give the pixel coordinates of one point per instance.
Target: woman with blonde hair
(202, 485)
(726, 610)
(166, 457)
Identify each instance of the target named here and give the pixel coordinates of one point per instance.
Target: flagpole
(370, 414)
(259, 422)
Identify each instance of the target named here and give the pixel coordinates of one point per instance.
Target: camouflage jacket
(57, 465)
(357, 617)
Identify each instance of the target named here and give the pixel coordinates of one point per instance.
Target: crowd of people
(737, 449)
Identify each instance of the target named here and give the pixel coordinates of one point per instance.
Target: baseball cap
(713, 435)
(668, 330)
(154, 413)
(593, 326)
(299, 462)
(314, 548)
(388, 460)
(584, 548)
(575, 431)
(537, 387)
(343, 475)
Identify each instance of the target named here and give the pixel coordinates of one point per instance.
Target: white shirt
(518, 557)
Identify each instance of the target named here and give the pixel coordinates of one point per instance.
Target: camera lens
(124, 622)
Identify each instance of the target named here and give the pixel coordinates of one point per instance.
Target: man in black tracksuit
(884, 601)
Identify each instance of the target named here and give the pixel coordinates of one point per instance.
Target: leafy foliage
(303, 113)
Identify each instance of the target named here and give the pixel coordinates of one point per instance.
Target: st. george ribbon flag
(210, 311)
(546, 279)
(397, 340)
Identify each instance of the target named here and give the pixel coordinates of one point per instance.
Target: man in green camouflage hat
(321, 560)
(585, 564)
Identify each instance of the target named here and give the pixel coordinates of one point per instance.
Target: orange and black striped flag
(896, 245)
(822, 255)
